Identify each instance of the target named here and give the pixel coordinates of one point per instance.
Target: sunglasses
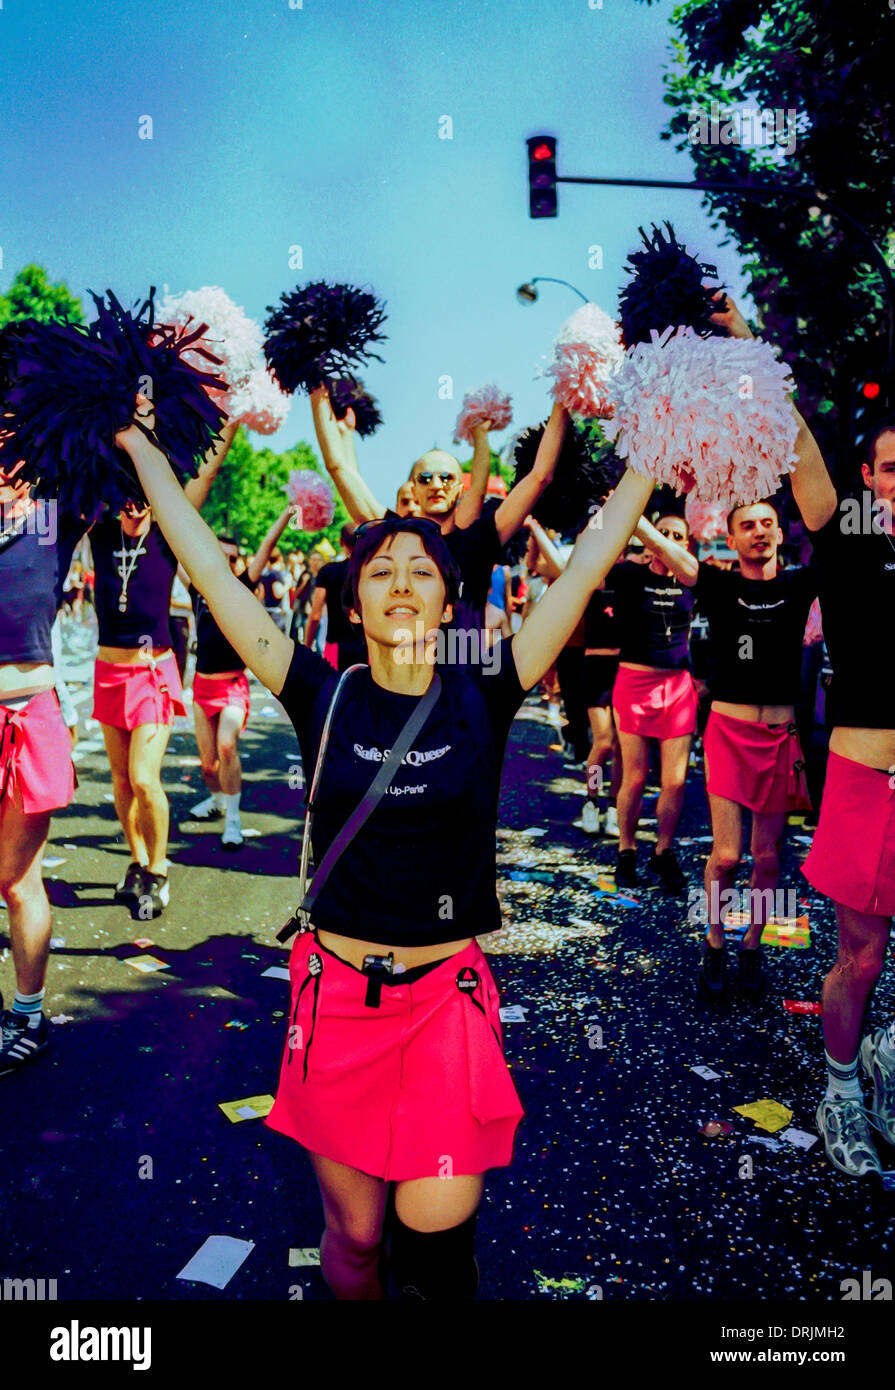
(393, 522)
(426, 478)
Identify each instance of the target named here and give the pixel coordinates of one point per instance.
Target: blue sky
(319, 127)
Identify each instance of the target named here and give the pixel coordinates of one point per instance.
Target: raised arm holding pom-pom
(470, 505)
(354, 492)
(242, 619)
(812, 486)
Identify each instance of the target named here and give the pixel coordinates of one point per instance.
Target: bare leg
(148, 744)
(354, 1207)
(724, 860)
(207, 744)
(767, 832)
(862, 951)
(675, 755)
(228, 731)
(635, 767)
(23, 839)
(118, 748)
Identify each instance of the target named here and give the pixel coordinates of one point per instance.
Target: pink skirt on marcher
(36, 770)
(125, 696)
(759, 766)
(214, 693)
(417, 1087)
(852, 856)
(654, 704)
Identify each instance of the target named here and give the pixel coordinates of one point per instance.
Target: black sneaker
(711, 982)
(19, 1042)
(669, 872)
(153, 898)
(131, 886)
(626, 869)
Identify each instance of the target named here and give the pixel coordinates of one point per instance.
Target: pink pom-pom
(232, 336)
(585, 353)
(259, 404)
(314, 496)
(707, 520)
(813, 628)
(488, 403)
(711, 414)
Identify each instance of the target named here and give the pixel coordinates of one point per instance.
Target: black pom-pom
(665, 290)
(585, 472)
(347, 393)
(321, 331)
(70, 389)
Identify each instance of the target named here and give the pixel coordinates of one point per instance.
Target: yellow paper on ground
(767, 1114)
(787, 931)
(252, 1108)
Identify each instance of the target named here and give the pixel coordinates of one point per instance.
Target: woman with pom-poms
(393, 1071)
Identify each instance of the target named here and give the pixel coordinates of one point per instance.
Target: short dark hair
(759, 502)
(346, 535)
(370, 539)
(887, 427)
(661, 515)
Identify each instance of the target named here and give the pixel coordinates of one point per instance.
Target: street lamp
(527, 293)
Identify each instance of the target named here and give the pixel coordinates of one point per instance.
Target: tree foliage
(249, 494)
(31, 296)
(827, 68)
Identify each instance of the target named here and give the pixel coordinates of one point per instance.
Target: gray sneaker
(848, 1138)
(882, 1110)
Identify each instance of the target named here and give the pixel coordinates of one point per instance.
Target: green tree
(249, 494)
(823, 72)
(31, 296)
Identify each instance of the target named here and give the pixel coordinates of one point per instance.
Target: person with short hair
(393, 1071)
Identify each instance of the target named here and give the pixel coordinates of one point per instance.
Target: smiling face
(881, 477)
(399, 587)
(437, 480)
(754, 533)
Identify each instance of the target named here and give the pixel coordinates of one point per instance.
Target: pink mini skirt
(654, 704)
(417, 1087)
(852, 857)
(125, 696)
(36, 770)
(759, 766)
(214, 693)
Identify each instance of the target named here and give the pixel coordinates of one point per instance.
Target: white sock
(886, 1046)
(219, 800)
(231, 805)
(842, 1079)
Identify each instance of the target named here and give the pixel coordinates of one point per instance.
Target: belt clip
(377, 969)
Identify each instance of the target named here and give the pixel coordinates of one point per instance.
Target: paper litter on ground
(252, 1108)
(767, 1114)
(217, 1260)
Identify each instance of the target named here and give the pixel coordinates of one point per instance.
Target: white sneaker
(232, 834)
(209, 809)
(590, 819)
(610, 822)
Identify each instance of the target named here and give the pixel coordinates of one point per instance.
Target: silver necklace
(127, 566)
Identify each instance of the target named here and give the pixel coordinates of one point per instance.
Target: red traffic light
(542, 201)
(542, 152)
(870, 390)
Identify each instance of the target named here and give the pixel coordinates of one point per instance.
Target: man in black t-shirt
(344, 645)
(852, 859)
(756, 616)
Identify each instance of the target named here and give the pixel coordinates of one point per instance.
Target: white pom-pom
(586, 350)
(711, 414)
(488, 403)
(232, 335)
(259, 404)
(312, 494)
(814, 626)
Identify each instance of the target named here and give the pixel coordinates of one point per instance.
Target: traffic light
(867, 402)
(542, 200)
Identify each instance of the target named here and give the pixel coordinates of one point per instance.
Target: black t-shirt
(653, 612)
(756, 628)
(422, 869)
(267, 581)
(151, 565)
(347, 636)
(600, 624)
(857, 605)
(35, 555)
(213, 652)
(475, 549)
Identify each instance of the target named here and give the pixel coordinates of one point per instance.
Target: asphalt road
(123, 1162)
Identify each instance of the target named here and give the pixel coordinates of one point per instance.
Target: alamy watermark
(453, 646)
(749, 125)
(703, 908)
(41, 520)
